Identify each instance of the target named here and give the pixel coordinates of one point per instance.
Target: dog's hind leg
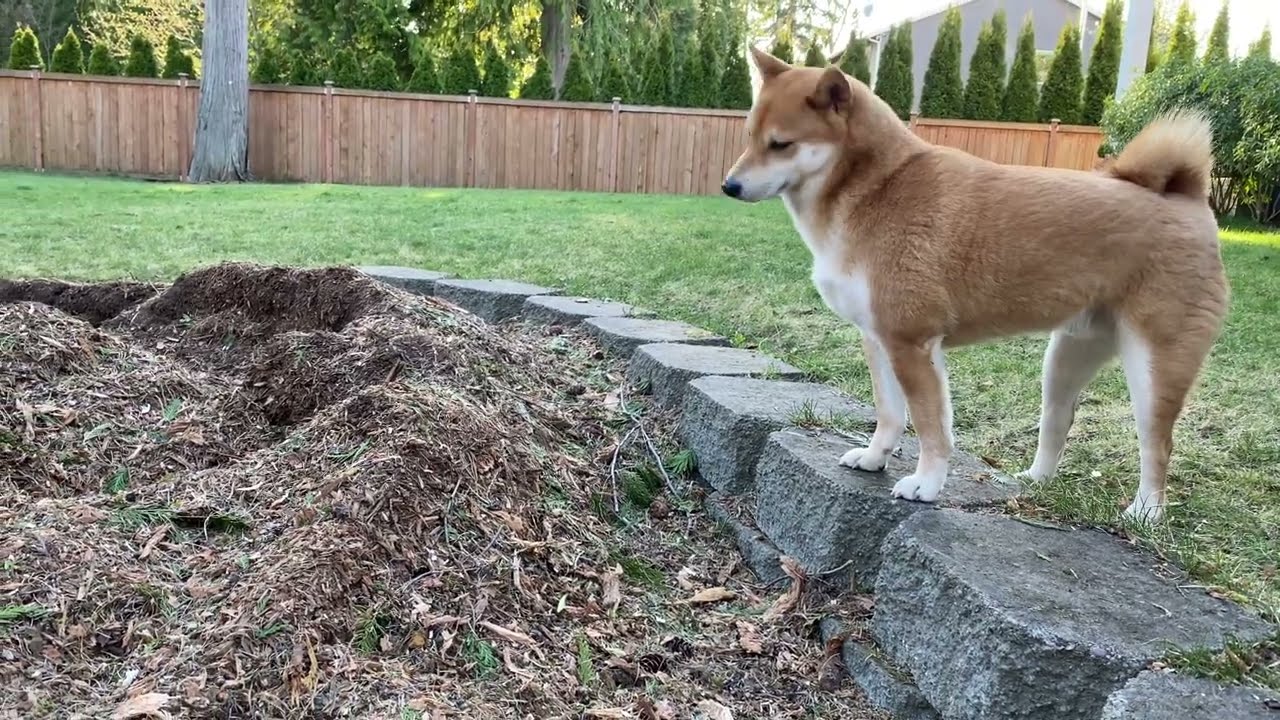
(921, 370)
(891, 411)
(1160, 373)
(1074, 356)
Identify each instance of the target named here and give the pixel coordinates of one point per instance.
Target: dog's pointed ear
(768, 65)
(833, 92)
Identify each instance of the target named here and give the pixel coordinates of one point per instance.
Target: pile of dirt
(271, 492)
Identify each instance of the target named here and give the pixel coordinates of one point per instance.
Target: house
(1048, 17)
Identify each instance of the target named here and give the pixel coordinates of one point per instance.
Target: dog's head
(800, 122)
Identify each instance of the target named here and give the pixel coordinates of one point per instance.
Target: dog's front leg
(891, 411)
(922, 372)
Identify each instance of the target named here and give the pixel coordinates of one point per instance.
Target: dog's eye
(779, 144)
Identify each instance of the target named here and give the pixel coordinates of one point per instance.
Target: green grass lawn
(741, 271)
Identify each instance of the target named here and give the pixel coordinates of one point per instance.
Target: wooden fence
(144, 127)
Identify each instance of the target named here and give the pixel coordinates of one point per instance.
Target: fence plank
(146, 127)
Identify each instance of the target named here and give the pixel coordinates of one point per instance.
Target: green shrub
(1060, 96)
(497, 74)
(68, 56)
(176, 61)
(381, 73)
(1217, 51)
(853, 61)
(538, 86)
(101, 61)
(894, 83)
(614, 82)
(711, 52)
(345, 70)
(305, 71)
(814, 57)
(984, 91)
(942, 95)
(1261, 48)
(1022, 95)
(1182, 45)
(735, 87)
(577, 85)
(424, 78)
(24, 51)
(460, 75)
(142, 61)
(658, 76)
(1104, 64)
(782, 49)
(691, 90)
(268, 66)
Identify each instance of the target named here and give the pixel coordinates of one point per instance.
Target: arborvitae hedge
(497, 74)
(538, 86)
(1182, 46)
(142, 61)
(1261, 48)
(782, 50)
(24, 51)
(691, 82)
(577, 85)
(814, 57)
(101, 61)
(268, 66)
(1217, 50)
(68, 56)
(615, 82)
(424, 79)
(345, 70)
(1060, 96)
(1104, 64)
(854, 59)
(460, 74)
(711, 49)
(176, 61)
(943, 93)
(894, 83)
(380, 73)
(984, 93)
(735, 87)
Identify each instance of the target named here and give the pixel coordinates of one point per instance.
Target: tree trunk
(222, 124)
(557, 16)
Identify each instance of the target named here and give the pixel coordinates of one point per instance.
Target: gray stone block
(833, 518)
(667, 367)
(1166, 696)
(622, 335)
(493, 300)
(569, 311)
(999, 619)
(727, 421)
(887, 688)
(763, 559)
(418, 282)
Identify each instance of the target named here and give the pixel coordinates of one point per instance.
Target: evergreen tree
(538, 86)
(101, 62)
(24, 51)
(1060, 96)
(735, 88)
(577, 85)
(782, 49)
(497, 74)
(658, 76)
(68, 57)
(1217, 50)
(893, 78)
(380, 74)
(692, 84)
(1104, 63)
(814, 57)
(268, 66)
(853, 61)
(142, 61)
(460, 74)
(943, 93)
(711, 49)
(1261, 48)
(1022, 96)
(424, 78)
(1182, 47)
(985, 90)
(176, 61)
(306, 72)
(345, 70)
(614, 83)
(1154, 56)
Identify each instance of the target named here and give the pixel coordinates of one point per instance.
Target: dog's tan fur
(926, 248)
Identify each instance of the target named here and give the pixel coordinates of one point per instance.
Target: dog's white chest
(846, 292)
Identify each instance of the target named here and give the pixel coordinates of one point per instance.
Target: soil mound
(93, 302)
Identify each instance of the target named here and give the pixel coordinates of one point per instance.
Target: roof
(897, 13)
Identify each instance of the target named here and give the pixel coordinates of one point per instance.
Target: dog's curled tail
(1172, 155)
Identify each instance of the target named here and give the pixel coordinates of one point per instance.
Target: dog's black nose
(732, 188)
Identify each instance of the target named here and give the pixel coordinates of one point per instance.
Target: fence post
(915, 118)
(469, 167)
(1051, 148)
(184, 156)
(37, 114)
(327, 131)
(617, 135)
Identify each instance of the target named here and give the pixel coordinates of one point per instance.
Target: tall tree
(894, 83)
(735, 88)
(101, 62)
(1217, 51)
(1182, 47)
(1261, 48)
(68, 57)
(984, 91)
(1104, 64)
(1022, 96)
(222, 123)
(1060, 96)
(142, 61)
(24, 52)
(943, 93)
(854, 61)
(691, 83)
(712, 44)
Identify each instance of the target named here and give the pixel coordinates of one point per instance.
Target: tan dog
(926, 248)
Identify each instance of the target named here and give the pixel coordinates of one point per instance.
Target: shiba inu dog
(925, 248)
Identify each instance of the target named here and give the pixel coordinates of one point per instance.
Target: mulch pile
(272, 492)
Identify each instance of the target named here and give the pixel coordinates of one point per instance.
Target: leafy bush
(1022, 96)
(142, 61)
(68, 56)
(943, 93)
(102, 62)
(24, 51)
(1060, 96)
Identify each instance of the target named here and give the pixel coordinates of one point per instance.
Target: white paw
(919, 487)
(1034, 474)
(1144, 510)
(864, 459)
